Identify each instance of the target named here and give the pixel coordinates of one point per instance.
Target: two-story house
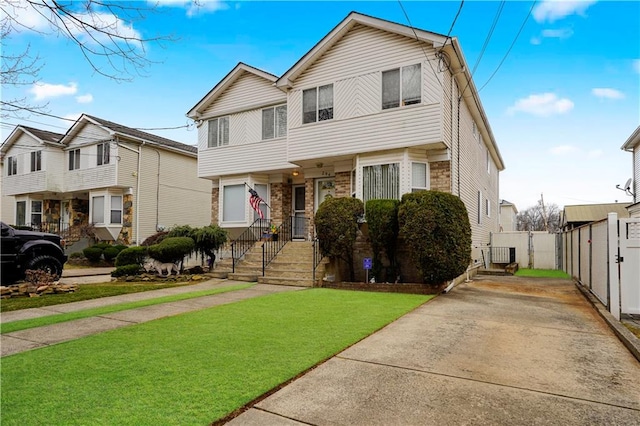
(508, 216)
(125, 182)
(633, 145)
(374, 110)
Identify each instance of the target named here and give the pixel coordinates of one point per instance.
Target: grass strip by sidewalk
(193, 368)
(542, 273)
(86, 313)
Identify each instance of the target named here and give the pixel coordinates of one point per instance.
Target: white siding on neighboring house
(96, 177)
(636, 173)
(248, 89)
(128, 164)
(88, 134)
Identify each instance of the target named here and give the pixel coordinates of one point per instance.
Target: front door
(66, 215)
(299, 219)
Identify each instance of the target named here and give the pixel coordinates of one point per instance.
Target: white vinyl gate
(629, 259)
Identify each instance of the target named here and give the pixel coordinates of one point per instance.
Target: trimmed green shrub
(337, 226)
(76, 255)
(208, 239)
(382, 220)
(181, 231)
(102, 245)
(155, 238)
(110, 253)
(131, 256)
(172, 249)
(93, 253)
(435, 227)
(120, 247)
(122, 271)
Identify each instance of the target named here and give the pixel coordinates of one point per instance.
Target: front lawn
(542, 273)
(193, 368)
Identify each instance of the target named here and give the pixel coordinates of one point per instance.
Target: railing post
(263, 244)
(233, 258)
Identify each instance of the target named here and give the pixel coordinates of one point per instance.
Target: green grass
(542, 273)
(84, 292)
(86, 313)
(193, 368)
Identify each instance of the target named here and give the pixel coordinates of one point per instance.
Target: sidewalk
(24, 340)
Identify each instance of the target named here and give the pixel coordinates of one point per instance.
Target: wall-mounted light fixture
(295, 173)
(319, 165)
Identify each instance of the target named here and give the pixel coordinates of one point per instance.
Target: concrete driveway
(499, 350)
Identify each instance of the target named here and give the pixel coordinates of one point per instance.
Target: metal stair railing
(277, 241)
(317, 257)
(241, 245)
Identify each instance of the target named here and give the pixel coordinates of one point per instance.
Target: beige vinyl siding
(636, 173)
(248, 89)
(396, 128)
(448, 109)
(170, 192)
(127, 164)
(89, 133)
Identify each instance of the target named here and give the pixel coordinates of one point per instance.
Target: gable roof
(593, 212)
(505, 203)
(115, 129)
(224, 84)
(43, 136)
(633, 140)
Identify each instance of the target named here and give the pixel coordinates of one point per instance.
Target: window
(479, 207)
(21, 213)
(97, 209)
(36, 161)
(12, 166)
(103, 153)
(218, 132)
(274, 122)
(74, 159)
(487, 207)
(317, 104)
(401, 86)
(261, 189)
(474, 129)
(419, 180)
(36, 212)
(234, 200)
(116, 209)
(488, 162)
(381, 181)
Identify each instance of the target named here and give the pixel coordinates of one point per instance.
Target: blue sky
(561, 106)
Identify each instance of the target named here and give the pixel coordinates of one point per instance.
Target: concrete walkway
(499, 350)
(20, 341)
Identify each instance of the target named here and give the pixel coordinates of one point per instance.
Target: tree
(101, 30)
(534, 218)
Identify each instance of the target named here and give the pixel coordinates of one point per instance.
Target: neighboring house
(578, 215)
(126, 183)
(508, 216)
(633, 145)
(374, 110)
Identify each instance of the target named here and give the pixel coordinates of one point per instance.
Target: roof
(505, 203)
(43, 136)
(593, 212)
(633, 140)
(227, 81)
(119, 130)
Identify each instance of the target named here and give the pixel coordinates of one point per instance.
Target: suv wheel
(46, 263)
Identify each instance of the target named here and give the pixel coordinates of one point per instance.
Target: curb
(626, 337)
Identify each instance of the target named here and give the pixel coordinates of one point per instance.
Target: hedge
(131, 256)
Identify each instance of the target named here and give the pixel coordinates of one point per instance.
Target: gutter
(139, 152)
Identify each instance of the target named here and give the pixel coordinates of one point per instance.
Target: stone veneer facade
(215, 213)
(126, 233)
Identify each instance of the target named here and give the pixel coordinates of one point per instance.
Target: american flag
(255, 201)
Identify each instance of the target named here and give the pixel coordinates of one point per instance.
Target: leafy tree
(337, 227)
(382, 219)
(435, 227)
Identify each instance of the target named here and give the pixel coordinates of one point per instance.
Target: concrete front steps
(293, 266)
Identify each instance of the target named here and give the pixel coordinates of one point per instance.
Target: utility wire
(454, 21)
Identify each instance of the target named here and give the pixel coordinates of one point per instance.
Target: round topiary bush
(172, 249)
(131, 256)
(76, 255)
(123, 271)
(101, 245)
(93, 253)
(110, 253)
(155, 238)
(435, 227)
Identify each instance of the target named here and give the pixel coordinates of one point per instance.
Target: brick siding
(440, 176)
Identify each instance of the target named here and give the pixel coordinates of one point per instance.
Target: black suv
(22, 250)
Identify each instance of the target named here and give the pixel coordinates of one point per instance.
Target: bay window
(116, 209)
(36, 212)
(419, 177)
(381, 181)
(401, 86)
(234, 200)
(97, 209)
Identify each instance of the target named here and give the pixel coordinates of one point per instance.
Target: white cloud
(84, 99)
(560, 33)
(636, 65)
(544, 104)
(553, 10)
(194, 7)
(563, 150)
(607, 93)
(536, 41)
(46, 90)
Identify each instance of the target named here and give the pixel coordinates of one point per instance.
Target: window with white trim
(488, 162)
(74, 159)
(36, 161)
(487, 207)
(106, 208)
(218, 132)
(474, 129)
(103, 153)
(36, 212)
(479, 207)
(274, 122)
(116, 209)
(97, 209)
(234, 200)
(263, 192)
(381, 181)
(419, 177)
(401, 86)
(317, 104)
(21, 213)
(12, 166)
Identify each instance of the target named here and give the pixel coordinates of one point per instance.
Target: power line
(454, 21)
(512, 44)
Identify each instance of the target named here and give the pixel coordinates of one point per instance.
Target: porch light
(295, 173)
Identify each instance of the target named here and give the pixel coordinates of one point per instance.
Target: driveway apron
(498, 350)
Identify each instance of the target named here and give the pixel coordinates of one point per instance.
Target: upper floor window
(12, 166)
(274, 122)
(218, 132)
(317, 104)
(74, 159)
(487, 207)
(36, 161)
(401, 86)
(488, 162)
(103, 153)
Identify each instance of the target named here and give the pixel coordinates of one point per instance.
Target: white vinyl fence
(605, 257)
(537, 250)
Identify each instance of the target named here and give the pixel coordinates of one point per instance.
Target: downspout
(138, 195)
(158, 192)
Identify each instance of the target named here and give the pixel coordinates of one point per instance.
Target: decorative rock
(42, 288)
(5, 290)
